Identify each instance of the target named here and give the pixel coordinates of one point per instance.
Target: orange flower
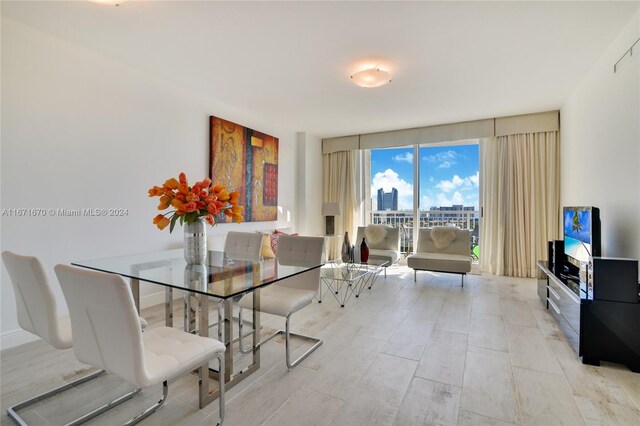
(171, 184)
(176, 203)
(160, 221)
(214, 207)
(234, 197)
(201, 200)
(235, 212)
(183, 188)
(164, 202)
(156, 191)
(183, 178)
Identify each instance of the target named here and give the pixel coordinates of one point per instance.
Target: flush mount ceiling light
(372, 77)
(109, 2)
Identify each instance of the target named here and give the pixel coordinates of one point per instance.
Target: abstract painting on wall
(245, 160)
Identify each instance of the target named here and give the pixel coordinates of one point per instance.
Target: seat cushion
(456, 263)
(389, 255)
(169, 351)
(279, 300)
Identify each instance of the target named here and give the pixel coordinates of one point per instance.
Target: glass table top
(219, 276)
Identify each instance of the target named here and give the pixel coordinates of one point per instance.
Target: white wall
(309, 185)
(82, 131)
(600, 166)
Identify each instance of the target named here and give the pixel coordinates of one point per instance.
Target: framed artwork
(245, 160)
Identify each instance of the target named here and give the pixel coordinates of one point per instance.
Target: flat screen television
(581, 234)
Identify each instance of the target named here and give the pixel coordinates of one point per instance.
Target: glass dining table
(219, 279)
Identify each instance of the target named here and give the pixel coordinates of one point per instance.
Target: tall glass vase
(345, 253)
(195, 241)
(364, 252)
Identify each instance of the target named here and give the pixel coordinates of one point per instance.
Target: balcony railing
(464, 219)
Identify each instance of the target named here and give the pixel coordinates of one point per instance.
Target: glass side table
(344, 280)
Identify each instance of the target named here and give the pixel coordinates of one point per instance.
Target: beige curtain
(339, 185)
(520, 200)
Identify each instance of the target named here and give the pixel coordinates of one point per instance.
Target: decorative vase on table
(346, 248)
(195, 241)
(364, 252)
(194, 207)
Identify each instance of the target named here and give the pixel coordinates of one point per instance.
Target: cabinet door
(569, 307)
(542, 290)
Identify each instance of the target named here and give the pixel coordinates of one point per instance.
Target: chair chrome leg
(287, 333)
(463, 280)
(221, 403)
(105, 407)
(12, 411)
(146, 413)
(415, 275)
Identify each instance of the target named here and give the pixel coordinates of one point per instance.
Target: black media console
(599, 316)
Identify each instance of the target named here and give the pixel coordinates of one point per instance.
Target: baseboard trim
(15, 338)
(19, 337)
(157, 298)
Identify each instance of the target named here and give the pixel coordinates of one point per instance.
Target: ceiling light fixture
(372, 77)
(109, 2)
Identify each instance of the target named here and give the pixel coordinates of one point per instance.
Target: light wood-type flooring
(404, 353)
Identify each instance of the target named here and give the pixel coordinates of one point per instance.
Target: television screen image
(578, 233)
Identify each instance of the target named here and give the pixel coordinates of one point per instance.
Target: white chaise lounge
(442, 249)
(383, 242)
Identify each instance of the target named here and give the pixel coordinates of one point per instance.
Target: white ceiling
(290, 61)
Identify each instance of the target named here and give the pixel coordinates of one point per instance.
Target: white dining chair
(246, 246)
(286, 297)
(107, 335)
(37, 313)
(243, 246)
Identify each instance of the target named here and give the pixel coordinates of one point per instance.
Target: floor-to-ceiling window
(392, 172)
(431, 185)
(449, 188)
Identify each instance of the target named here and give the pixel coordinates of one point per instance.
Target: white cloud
(407, 157)
(390, 179)
(458, 183)
(475, 179)
(444, 159)
(425, 202)
(443, 201)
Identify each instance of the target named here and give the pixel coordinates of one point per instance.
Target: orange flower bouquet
(192, 202)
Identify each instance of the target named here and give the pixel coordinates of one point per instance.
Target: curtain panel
(520, 201)
(339, 185)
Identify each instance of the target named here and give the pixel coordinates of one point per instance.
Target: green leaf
(173, 223)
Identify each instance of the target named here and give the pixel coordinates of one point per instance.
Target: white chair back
(301, 251)
(35, 301)
(243, 246)
(105, 323)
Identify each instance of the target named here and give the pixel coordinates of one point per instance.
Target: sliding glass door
(449, 188)
(428, 185)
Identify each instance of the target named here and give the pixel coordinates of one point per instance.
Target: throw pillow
(442, 236)
(266, 252)
(375, 234)
(274, 239)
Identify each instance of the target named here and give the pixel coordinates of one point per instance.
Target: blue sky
(448, 175)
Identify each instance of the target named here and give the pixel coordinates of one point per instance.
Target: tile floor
(404, 353)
